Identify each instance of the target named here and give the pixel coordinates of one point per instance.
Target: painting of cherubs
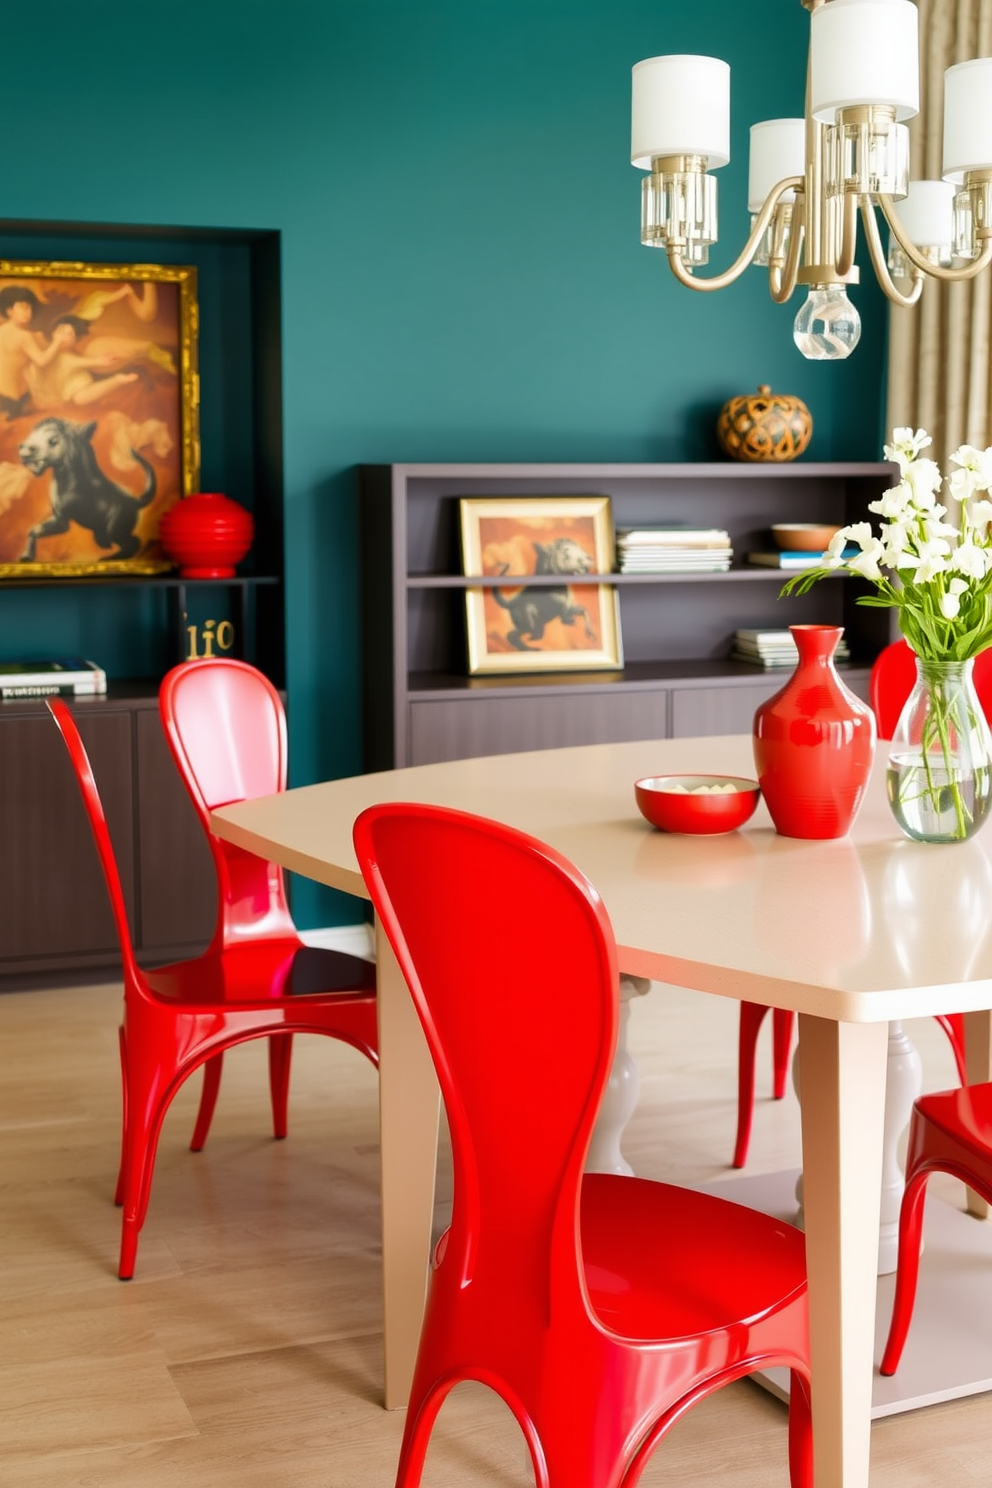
(98, 412)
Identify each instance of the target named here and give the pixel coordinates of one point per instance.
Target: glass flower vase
(939, 774)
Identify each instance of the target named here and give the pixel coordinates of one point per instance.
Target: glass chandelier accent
(809, 177)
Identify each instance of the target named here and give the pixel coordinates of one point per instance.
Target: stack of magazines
(673, 550)
(67, 676)
(773, 648)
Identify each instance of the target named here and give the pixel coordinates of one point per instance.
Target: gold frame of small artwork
(123, 384)
(559, 624)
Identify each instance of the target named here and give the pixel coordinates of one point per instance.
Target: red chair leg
(783, 1021)
(147, 1100)
(119, 1190)
(280, 1056)
(800, 1433)
(752, 1017)
(953, 1026)
(907, 1269)
(208, 1100)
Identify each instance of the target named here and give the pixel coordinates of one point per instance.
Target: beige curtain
(940, 376)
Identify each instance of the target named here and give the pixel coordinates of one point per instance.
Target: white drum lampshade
(862, 52)
(927, 213)
(680, 106)
(967, 118)
(778, 149)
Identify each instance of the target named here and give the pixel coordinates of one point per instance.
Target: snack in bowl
(696, 803)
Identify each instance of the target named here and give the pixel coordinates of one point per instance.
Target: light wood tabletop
(850, 933)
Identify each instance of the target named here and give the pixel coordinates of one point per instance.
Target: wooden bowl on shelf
(803, 537)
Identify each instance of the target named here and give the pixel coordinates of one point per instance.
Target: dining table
(852, 933)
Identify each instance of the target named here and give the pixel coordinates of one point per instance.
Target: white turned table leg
(903, 1083)
(620, 1096)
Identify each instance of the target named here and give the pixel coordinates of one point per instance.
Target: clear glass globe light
(827, 327)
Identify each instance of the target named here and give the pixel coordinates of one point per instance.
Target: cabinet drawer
(52, 892)
(468, 727)
(699, 711)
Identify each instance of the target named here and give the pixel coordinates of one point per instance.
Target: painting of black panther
(80, 492)
(99, 415)
(559, 622)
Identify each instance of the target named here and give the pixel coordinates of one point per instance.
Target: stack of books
(794, 558)
(773, 648)
(68, 676)
(673, 550)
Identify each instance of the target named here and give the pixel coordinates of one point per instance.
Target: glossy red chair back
(893, 676)
(508, 953)
(599, 1307)
(226, 727)
(101, 833)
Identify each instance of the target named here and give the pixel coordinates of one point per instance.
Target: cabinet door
(699, 711)
(469, 727)
(54, 902)
(178, 901)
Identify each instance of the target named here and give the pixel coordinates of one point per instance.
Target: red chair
(893, 676)
(600, 1308)
(226, 727)
(950, 1132)
(179, 1017)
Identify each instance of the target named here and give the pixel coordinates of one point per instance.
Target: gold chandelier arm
(916, 258)
(849, 235)
(875, 249)
(782, 281)
(720, 281)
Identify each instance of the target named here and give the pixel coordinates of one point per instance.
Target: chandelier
(809, 177)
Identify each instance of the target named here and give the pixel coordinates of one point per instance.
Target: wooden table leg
(842, 1074)
(409, 1107)
(978, 1061)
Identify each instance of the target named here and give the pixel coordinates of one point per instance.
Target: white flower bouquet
(939, 578)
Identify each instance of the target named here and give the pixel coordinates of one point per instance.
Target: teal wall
(462, 277)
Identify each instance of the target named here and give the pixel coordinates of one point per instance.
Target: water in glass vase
(936, 801)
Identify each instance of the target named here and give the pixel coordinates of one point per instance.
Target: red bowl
(689, 804)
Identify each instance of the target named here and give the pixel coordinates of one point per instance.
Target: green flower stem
(937, 722)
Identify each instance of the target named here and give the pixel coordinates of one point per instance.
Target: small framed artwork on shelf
(559, 623)
(99, 403)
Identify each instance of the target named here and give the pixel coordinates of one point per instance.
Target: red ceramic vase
(813, 743)
(206, 535)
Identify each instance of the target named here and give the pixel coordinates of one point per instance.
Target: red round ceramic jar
(206, 535)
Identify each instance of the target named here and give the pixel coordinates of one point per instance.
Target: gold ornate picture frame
(99, 414)
(557, 623)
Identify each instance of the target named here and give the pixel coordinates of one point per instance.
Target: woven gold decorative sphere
(764, 426)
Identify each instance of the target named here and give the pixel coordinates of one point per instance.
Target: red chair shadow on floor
(600, 1308)
(179, 1017)
(950, 1132)
(892, 678)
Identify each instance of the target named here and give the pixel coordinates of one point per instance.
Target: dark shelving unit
(678, 678)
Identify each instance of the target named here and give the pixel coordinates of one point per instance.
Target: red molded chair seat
(600, 1308)
(950, 1132)
(182, 1016)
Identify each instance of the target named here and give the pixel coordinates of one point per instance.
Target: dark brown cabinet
(55, 918)
(420, 705)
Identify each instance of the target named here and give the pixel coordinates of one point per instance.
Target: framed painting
(99, 403)
(557, 623)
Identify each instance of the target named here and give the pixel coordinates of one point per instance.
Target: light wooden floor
(247, 1350)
